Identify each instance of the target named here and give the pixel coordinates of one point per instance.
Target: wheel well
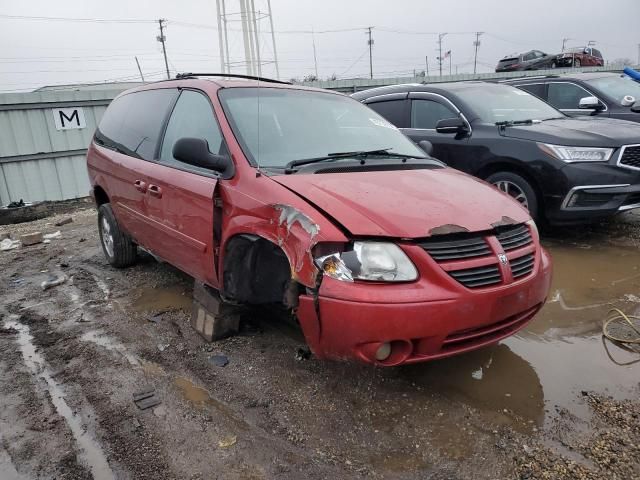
(256, 271)
(100, 195)
(485, 172)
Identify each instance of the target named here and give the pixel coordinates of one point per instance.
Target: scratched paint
(290, 216)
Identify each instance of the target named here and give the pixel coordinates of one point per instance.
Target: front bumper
(591, 192)
(350, 321)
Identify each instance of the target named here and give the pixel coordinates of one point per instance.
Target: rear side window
(597, 53)
(191, 117)
(133, 123)
(566, 95)
(427, 113)
(534, 89)
(392, 110)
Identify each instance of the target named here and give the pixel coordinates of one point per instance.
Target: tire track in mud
(90, 450)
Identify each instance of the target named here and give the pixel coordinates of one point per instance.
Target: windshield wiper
(507, 123)
(338, 155)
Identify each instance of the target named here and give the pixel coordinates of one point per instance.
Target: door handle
(155, 191)
(140, 186)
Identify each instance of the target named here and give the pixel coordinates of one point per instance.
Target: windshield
(503, 103)
(278, 125)
(616, 87)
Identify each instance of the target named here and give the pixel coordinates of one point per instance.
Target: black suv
(563, 169)
(602, 94)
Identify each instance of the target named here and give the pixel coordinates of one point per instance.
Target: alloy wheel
(107, 236)
(514, 191)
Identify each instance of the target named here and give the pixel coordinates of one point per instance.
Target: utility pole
(161, 38)
(426, 63)
(639, 54)
(315, 58)
(450, 73)
(220, 38)
(139, 69)
(564, 42)
(440, 37)
(370, 43)
(273, 40)
(476, 44)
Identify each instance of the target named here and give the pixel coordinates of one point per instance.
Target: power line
(73, 19)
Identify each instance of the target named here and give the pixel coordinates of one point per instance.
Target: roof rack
(527, 77)
(230, 75)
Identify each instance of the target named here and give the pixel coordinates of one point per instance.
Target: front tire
(518, 188)
(117, 246)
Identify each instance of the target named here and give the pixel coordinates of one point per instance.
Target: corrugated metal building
(43, 142)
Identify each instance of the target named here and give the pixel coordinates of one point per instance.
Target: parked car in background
(600, 94)
(563, 169)
(531, 60)
(276, 194)
(580, 57)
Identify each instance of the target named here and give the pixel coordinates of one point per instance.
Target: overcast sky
(38, 52)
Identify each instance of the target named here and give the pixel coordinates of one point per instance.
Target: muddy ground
(556, 401)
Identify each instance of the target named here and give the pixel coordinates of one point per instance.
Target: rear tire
(517, 187)
(117, 246)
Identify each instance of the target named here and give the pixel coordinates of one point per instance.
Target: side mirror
(427, 146)
(590, 103)
(195, 151)
(451, 125)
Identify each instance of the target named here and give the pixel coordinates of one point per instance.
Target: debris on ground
(16, 204)
(64, 221)
(31, 238)
(51, 236)
(8, 244)
(146, 399)
(162, 347)
(303, 353)
(156, 317)
(219, 360)
(228, 442)
(53, 281)
(4, 235)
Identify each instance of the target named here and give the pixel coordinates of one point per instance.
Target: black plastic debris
(303, 354)
(16, 204)
(219, 360)
(146, 399)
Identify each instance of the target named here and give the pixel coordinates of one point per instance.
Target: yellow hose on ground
(619, 315)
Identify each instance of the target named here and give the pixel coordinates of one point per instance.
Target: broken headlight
(373, 261)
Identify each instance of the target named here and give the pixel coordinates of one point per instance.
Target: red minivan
(278, 194)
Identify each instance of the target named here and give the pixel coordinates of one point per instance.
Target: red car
(580, 57)
(273, 193)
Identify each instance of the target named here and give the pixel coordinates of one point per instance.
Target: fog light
(383, 352)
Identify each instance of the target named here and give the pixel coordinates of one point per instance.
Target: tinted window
(133, 122)
(535, 89)
(616, 87)
(191, 117)
(502, 103)
(529, 56)
(566, 95)
(278, 125)
(392, 110)
(597, 53)
(426, 113)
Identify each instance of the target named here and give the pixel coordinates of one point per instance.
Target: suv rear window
(133, 123)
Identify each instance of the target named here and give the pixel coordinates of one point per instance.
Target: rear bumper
(345, 329)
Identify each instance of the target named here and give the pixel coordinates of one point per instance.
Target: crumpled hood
(406, 203)
(579, 131)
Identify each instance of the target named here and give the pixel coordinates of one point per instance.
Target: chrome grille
(444, 250)
(514, 237)
(631, 156)
(478, 277)
(522, 266)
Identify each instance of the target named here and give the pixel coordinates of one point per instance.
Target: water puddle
(202, 399)
(90, 451)
(162, 298)
(561, 353)
(99, 338)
